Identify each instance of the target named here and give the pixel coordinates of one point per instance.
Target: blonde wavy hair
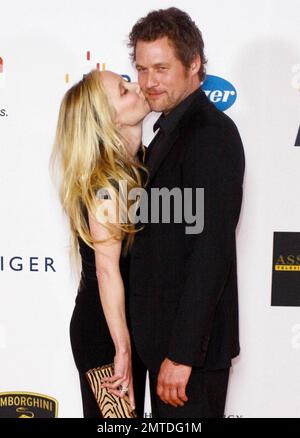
(90, 153)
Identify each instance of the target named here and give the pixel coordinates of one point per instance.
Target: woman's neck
(133, 135)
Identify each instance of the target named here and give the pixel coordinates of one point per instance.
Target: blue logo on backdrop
(219, 91)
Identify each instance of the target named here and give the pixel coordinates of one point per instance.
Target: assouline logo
(219, 91)
(286, 269)
(296, 86)
(28, 264)
(166, 206)
(289, 262)
(27, 405)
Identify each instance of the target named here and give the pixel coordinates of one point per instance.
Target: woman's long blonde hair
(90, 153)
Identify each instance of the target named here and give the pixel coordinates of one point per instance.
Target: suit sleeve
(214, 160)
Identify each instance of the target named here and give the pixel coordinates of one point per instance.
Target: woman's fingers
(121, 390)
(115, 392)
(120, 384)
(113, 385)
(112, 378)
(131, 396)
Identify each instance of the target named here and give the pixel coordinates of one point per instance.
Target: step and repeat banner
(253, 52)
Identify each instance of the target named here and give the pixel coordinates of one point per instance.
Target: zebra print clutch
(110, 405)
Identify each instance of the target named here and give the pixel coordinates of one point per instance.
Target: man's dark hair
(181, 30)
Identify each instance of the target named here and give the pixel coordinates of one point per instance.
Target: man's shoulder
(203, 112)
(205, 118)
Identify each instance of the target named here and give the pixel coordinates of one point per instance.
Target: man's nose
(151, 80)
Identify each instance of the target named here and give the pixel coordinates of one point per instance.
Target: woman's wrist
(123, 347)
(124, 351)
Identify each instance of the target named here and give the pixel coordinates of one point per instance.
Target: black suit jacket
(183, 287)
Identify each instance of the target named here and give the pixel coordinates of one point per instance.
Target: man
(184, 304)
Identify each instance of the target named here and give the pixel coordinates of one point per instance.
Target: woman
(97, 140)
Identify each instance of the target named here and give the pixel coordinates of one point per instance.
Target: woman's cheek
(136, 99)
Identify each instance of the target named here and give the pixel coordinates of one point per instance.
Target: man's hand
(171, 382)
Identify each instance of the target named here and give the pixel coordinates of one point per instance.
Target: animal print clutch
(110, 405)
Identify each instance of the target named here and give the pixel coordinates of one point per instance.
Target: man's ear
(195, 65)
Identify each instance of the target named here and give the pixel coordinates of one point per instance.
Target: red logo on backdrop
(3, 112)
(2, 75)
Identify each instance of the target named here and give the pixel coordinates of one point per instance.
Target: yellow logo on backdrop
(288, 263)
(27, 405)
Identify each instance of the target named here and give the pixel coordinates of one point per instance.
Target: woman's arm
(112, 296)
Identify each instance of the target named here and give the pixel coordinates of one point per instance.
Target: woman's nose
(137, 87)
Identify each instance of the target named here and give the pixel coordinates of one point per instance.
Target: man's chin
(157, 107)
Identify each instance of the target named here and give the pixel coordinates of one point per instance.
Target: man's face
(164, 80)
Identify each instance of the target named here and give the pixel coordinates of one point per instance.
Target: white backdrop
(255, 46)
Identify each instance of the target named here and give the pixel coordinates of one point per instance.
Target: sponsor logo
(30, 264)
(27, 405)
(286, 269)
(91, 64)
(290, 262)
(3, 111)
(219, 91)
(2, 73)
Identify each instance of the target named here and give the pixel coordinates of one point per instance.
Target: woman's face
(126, 97)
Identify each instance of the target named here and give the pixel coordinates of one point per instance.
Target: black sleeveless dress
(91, 342)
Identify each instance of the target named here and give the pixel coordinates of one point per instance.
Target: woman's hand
(121, 382)
(112, 296)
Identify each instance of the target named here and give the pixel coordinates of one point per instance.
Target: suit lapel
(155, 160)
